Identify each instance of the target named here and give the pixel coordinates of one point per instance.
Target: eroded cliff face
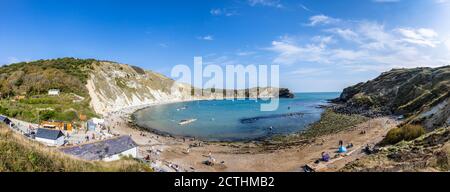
(114, 86)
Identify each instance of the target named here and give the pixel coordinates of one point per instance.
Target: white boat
(182, 108)
(186, 121)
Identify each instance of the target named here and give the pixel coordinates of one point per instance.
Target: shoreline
(266, 138)
(171, 153)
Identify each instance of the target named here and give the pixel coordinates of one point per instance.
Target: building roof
(100, 150)
(3, 118)
(49, 134)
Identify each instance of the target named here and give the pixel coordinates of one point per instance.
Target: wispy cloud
(422, 36)
(206, 38)
(363, 46)
(309, 71)
(268, 3)
(305, 8)
(12, 60)
(347, 34)
(245, 53)
(322, 20)
(289, 52)
(223, 12)
(442, 1)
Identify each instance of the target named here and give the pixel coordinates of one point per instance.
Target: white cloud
(206, 38)
(305, 8)
(12, 60)
(309, 71)
(321, 20)
(368, 46)
(290, 53)
(245, 53)
(442, 1)
(447, 43)
(346, 34)
(268, 3)
(222, 12)
(222, 60)
(216, 11)
(422, 36)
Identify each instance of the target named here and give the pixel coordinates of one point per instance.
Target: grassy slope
(18, 154)
(46, 107)
(33, 79)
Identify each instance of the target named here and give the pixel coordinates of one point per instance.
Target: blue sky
(320, 45)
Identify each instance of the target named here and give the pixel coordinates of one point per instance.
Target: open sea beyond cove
(238, 120)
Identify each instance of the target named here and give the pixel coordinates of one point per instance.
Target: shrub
(363, 100)
(407, 132)
(46, 115)
(67, 116)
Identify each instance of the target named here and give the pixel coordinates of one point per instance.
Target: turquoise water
(225, 120)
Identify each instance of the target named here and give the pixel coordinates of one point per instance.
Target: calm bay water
(225, 120)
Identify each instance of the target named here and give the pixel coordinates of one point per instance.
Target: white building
(106, 150)
(50, 137)
(53, 92)
(128, 153)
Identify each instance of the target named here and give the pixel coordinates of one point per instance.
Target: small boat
(186, 121)
(182, 108)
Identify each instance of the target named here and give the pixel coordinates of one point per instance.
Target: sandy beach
(169, 153)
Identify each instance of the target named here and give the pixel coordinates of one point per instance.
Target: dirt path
(188, 155)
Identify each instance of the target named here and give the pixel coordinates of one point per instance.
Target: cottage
(106, 150)
(50, 137)
(53, 92)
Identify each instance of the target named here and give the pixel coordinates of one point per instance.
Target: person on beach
(325, 156)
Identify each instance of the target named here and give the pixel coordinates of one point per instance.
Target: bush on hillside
(406, 132)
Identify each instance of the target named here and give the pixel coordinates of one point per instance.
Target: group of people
(341, 149)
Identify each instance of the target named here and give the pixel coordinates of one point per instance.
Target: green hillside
(24, 87)
(37, 77)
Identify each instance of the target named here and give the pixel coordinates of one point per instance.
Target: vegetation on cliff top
(24, 87)
(18, 154)
(37, 77)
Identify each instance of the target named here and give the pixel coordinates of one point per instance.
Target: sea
(234, 120)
